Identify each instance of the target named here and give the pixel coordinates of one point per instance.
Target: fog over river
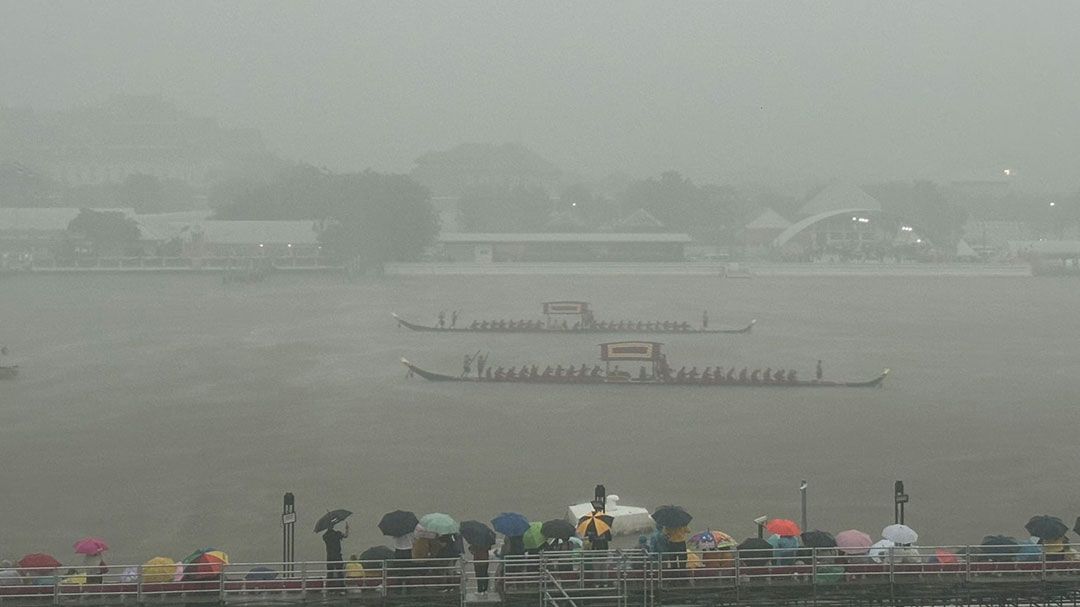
(167, 413)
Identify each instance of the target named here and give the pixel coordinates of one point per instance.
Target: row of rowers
(614, 325)
(718, 374)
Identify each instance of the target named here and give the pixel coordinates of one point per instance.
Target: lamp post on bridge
(899, 499)
(802, 491)
(288, 531)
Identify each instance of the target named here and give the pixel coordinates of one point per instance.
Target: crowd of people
(425, 544)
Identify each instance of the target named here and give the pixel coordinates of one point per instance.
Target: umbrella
(782, 527)
(1076, 526)
(879, 550)
(330, 519)
(398, 523)
(671, 516)
(900, 534)
(557, 529)
(38, 561)
(129, 575)
(510, 524)
(377, 553)
(442, 524)
(477, 533)
(818, 539)
(207, 563)
(755, 552)
(853, 541)
(534, 537)
(999, 548)
(712, 540)
(1046, 527)
(258, 574)
(595, 525)
(161, 569)
(91, 546)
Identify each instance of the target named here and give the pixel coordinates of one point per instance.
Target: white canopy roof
(839, 195)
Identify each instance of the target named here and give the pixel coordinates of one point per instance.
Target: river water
(170, 412)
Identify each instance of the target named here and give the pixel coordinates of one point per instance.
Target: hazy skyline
(773, 92)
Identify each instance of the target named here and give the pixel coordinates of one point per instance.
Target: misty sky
(765, 91)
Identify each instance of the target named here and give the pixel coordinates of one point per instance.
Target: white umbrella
(879, 551)
(901, 534)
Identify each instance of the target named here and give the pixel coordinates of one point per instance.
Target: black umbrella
(1076, 527)
(377, 553)
(672, 516)
(755, 552)
(818, 539)
(557, 529)
(1046, 527)
(398, 523)
(477, 533)
(999, 548)
(330, 519)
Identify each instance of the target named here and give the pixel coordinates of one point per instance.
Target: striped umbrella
(205, 564)
(595, 525)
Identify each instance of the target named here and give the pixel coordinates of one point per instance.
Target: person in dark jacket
(335, 564)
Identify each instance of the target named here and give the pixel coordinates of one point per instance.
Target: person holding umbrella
(672, 523)
(92, 549)
(480, 538)
(401, 526)
(335, 563)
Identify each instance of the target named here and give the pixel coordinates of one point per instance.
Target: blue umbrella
(510, 524)
(260, 573)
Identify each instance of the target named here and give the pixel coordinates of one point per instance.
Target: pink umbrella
(91, 546)
(853, 541)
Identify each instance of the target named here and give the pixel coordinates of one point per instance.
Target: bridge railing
(558, 577)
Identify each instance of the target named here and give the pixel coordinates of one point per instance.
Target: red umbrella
(38, 561)
(91, 546)
(783, 527)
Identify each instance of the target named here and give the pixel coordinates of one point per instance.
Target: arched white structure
(795, 228)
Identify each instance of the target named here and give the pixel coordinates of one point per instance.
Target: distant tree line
(367, 218)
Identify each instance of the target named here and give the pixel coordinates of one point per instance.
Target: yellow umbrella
(78, 578)
(160, 569)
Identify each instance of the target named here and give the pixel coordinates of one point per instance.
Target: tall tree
(499, 208)
(370, 218)
(108, 233)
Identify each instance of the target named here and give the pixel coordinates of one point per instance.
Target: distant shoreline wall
(713, 270)
(717, 270)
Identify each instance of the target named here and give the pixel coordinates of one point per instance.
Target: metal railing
(942, 575)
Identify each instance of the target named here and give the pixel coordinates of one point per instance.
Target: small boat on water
(9, 372)
(660, 373)
(583, 323)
